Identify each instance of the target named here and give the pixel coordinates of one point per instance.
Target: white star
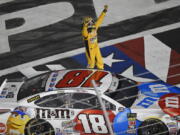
(129, 74)
(108, 60)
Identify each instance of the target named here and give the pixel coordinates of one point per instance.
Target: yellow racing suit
(93, 53)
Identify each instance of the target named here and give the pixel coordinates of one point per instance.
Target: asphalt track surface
(65, 35)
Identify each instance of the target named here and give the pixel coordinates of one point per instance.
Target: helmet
(88, 20)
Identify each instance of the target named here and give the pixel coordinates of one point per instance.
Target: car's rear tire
(39, 126)
(152, 127)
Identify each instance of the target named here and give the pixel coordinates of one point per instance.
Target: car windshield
(68, 100)
(126, 91)
(73, 100)
(33, 86)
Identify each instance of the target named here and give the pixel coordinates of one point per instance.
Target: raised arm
(101, 17)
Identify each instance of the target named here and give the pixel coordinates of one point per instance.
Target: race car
(65, 102)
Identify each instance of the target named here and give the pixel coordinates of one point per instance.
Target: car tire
(39, 127)
(153, 127)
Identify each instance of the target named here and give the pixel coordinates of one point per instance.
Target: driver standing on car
(89, 33)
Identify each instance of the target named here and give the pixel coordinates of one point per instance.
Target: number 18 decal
(92, 122)
(81, 78)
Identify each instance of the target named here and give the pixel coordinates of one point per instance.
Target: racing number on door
(80, 78)
(93, 123)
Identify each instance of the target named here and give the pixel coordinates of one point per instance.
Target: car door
(90, 119)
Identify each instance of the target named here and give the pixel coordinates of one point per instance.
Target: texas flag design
(142, 59)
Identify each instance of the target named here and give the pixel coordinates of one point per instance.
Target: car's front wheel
(152, 127)
(39, 127)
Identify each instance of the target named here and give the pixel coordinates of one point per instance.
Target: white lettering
(146, 102)
(14, 132)
(120, 10)
(172, 102)
(159, 88)
(34, 18)
(93, 123)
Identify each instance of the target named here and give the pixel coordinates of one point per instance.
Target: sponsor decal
(53, 79)
(170, 104)
(2, 128)
(16, 122)
(50, 89)
(53, 113)
(131, 123)
(92, 122)
(58, 131)
(33, 98)
(124, 121)
(55, 74)
(67, 124)
(4, 93)
(172, 124)
(52, 82)
(8, 92)
(173, 128)
(153, 91)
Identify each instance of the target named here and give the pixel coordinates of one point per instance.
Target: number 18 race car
(65, 103)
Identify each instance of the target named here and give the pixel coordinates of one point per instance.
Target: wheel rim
(39, 127)
(152, 127)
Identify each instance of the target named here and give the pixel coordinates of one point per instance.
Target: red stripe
(174, 69)
(134, 49)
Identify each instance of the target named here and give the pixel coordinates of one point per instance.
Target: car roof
(78, 79)
(67, 79)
